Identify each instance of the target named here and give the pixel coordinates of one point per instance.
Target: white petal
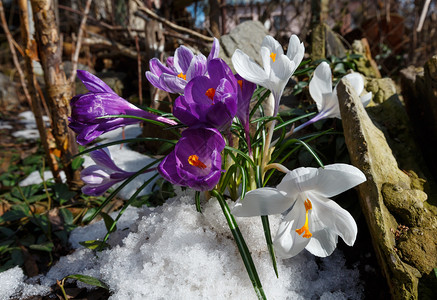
(248, 69)
(295, 181)
(365, 99)
(272, 45)
(266, 59)
(295, 51)
(322, 243)
(282, 68)
(262, 202)
(334, 179)
(330, 107)
(287, 242)
(357, 82)
(337, 220)
(321, 83)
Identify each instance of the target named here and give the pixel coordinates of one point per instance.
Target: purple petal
(172, 84)
(197, 88)
(154, 80)
(218, 69)
(93, 83)
(157, 68)
(168, 169)
(214, 50)
(197, 67)
(102, 158)
(185, 111)
(182, 59)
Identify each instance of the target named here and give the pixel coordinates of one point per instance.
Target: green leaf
(94, 244)
(109, 222)
(12, 215)
(77, 163)
(63, 194)
(47, 247)
(88, 280)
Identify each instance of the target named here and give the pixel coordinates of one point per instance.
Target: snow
(174, 252)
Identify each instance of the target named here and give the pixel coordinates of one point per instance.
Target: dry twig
(75, 56)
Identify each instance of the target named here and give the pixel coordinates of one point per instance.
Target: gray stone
(388, 198)
(248, 37)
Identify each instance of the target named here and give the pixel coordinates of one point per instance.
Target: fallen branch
(173, 26)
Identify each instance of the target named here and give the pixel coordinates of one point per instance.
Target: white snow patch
(174, 252)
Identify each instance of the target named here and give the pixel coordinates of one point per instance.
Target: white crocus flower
(314, 221)
(326, 98)
(277, 67)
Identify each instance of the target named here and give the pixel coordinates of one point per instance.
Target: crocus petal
(288, 242)
(197, 67)
(295, 51)
(335, 218)
(248, 68)
(357, 82)
(322, 243)
(97, 190)
(365, 99)
(157, 68)
(330, 107)
(172, 84)
(272, 45)
(102, 157)
(94, 175)
(296, 181)
(335, 179)
(261, 202)
(321, 83)
(215, 49)
(154, 80)
(93, 83)
(182, 59)
(185, 111)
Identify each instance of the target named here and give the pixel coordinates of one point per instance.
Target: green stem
(242, 247)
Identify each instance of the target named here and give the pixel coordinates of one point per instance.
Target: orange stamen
(210, 93)
(240, 83)
(273, 56)
(194, 161)
(183, 76)
(305, 228)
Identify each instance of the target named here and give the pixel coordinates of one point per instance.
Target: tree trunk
(31, 85)
(58, 88)
(214, 17)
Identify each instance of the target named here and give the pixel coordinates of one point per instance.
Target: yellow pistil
(305, 228)
(183, 76)
(273, 56)
(210, 94)
(194, 161)
(240, 83)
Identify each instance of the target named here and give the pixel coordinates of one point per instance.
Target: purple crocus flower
(180, 69)
(101, 101)
(210, 101)
(245, 93)
(196, 160)
(100, 177)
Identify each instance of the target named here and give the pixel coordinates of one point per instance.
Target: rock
(419, 89)
(388, 198)
(247, 36)
(381, 89)
(365, 65)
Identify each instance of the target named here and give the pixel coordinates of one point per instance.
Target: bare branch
(75, 56)
(151, 14)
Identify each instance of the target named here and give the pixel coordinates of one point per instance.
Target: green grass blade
(266, 226)
(242, 247)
